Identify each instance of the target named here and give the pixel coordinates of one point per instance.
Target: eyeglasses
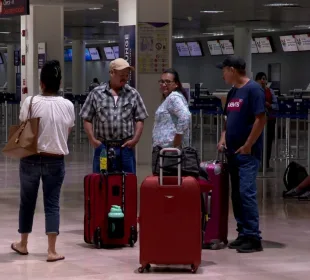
(166, 82)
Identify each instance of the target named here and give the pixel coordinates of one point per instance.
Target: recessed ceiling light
(112, 22)
(282, 5)
(5, 32)
(94, 8)
(212, 12)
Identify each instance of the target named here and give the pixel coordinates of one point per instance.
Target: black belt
(114, 143)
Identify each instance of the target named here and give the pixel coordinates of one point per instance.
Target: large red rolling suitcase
(170, 220)
(102, 191)
(216, 204)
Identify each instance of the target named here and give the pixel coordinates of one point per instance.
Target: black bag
(189, 161)
(294, 175)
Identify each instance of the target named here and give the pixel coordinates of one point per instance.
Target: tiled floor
(285, 227)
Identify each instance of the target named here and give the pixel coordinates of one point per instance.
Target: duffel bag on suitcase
(216, 204)
(189, 162)
(170, 220)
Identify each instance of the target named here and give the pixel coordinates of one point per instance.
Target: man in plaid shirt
(117, 112)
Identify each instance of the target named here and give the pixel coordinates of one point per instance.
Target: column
(78, 67)
(11, 79)
(150, 23)
(45, 24)
(243, 42)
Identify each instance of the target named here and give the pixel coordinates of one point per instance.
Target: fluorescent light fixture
(94, 8)
(302, 26)
(264, 30)
(212, 12)
(178, 37)
(111, 22)
(214, 34)
(4, 32)
(282, 5)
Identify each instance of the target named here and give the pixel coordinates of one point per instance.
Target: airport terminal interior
(273, 37)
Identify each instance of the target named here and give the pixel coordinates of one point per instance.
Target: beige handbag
(23, 138)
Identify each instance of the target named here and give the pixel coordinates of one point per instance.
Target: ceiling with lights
(96, 21)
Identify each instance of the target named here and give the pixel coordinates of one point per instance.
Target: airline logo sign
(234, 105)
(9, 8)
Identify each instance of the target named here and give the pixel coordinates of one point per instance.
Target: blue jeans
(243, 171)
(52, 172)
(128, 160)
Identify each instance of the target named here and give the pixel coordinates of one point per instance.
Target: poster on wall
(41, 58)
(127, 48)
(153, 50)
(10, 8)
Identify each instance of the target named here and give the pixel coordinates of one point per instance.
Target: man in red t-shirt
(271, 106)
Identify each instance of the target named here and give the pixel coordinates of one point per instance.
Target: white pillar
(45, 24)
(148, 71)
(78, 67)
(242, 42)
(11, 79)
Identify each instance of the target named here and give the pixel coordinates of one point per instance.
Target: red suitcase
(101, 192)
(216, 205)
(170, 221)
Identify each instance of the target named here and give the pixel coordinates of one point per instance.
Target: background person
(56, 120)
(271, 106)
(242, 137)
(117, 112)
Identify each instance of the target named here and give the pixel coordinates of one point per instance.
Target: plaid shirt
(113, 121)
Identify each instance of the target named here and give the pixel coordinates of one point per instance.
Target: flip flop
(56, 260)
(17, 251)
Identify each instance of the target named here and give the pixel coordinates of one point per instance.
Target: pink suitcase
(216, 204)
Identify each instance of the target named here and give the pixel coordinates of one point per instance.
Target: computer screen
(215, 48)
(116, 51)
(303, 42)
(94, 53)
(254, 47)
(87, 55)
(109, 53)
(194, 48)
(227, 47)
(288, 43)
(263, 45)
(183, 49)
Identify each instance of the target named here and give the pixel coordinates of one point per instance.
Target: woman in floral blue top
(172, 118)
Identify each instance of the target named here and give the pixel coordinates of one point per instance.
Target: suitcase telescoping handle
(161, 157)
(221, 154)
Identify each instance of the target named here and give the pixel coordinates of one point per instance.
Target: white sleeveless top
(56, 118)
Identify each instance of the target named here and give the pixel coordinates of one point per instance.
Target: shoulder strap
(30, 108)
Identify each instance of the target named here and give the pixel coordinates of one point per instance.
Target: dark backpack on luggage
(294, 175)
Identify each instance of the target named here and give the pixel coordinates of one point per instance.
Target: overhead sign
(303, 42)
(288, 43)
(227, 47)
(9, 8)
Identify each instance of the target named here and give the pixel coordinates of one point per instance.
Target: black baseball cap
(233, 61)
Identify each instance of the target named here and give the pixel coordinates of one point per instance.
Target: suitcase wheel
(97, 238)
(133, 236)
(194, 268)
(147, 267)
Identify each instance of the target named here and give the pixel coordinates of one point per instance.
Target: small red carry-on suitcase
(106, 192)
(216, 204)
(170, 220)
